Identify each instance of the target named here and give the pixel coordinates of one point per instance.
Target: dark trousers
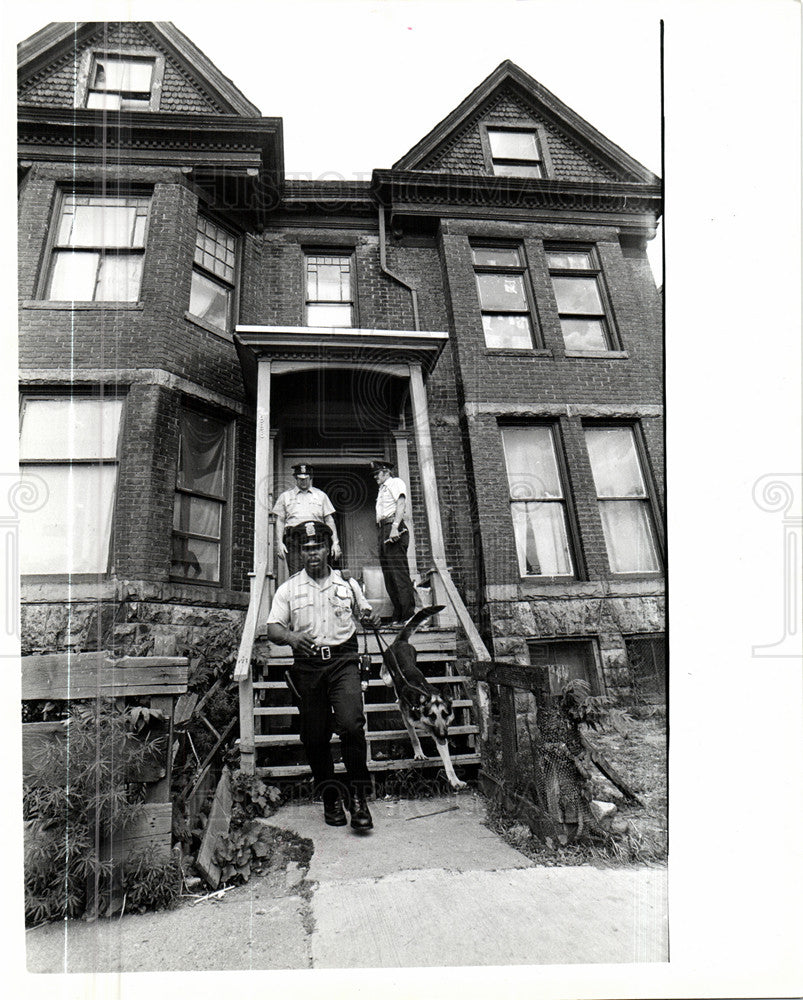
(290, 539)
(331, 701)
(393, 560)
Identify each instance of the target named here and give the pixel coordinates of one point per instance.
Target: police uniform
(328, 683)
(393, 554)
(296, 506)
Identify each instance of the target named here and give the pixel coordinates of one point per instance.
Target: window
(537, 502)
(505, 307)
(646, 656)
(515, 153)
(98, 248)
(577, 283)
(120, 83)
(68, 458)
(566, 661)
(623, 501)
(213, 273)
(201, 494)
(329, 300)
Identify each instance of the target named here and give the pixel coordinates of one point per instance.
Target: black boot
(360, 816)
(333, 812)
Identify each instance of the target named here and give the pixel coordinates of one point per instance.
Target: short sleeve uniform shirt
(387, 497)
(322, 608)
(296, 506)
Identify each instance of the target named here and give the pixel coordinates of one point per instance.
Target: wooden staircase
(277, 745)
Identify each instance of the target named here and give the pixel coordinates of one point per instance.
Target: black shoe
(334, 814)
(360, 817)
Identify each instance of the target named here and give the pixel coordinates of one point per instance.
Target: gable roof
(510, 77)
(60, 38)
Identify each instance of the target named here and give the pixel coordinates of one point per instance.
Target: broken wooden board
(217, 828)
(74, 676)
(150, 831)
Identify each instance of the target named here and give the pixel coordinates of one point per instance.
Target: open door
(351, 488)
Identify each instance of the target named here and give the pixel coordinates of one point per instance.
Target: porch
(338, 398)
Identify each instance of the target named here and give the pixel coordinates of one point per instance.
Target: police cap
(380, 464)
(312, 533)
(302, 469)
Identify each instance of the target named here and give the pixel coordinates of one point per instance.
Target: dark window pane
(195, 559)
(202, 457)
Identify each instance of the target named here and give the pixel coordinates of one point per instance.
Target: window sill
(209, 327)
(597, 354)
(78, 306)
(518, 352)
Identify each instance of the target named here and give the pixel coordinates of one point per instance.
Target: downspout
(386, 270)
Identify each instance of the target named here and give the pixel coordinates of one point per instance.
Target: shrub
(82, 788)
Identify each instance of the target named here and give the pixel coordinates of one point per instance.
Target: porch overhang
(333, 345)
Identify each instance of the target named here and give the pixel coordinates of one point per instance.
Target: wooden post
(429, 486)
(403, 465)
(262, 496)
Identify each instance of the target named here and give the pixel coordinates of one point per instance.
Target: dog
(420, 703)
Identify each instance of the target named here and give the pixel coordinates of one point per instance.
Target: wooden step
(290, 740)
(389, 706)
(302, 770)
(425, 656)
(428, 640)
(374, 682)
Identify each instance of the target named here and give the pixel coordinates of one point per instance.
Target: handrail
(478, 647)
(242, 669)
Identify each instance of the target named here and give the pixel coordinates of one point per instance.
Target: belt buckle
(326, 653)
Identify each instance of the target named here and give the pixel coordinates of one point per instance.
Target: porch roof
(332, 345)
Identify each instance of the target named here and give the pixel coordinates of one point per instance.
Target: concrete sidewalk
(430, 886)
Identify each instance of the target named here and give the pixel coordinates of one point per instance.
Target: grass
(636, 746)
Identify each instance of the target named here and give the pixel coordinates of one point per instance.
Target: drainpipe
(386, 270)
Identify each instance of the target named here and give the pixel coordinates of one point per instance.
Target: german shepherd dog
(420, 703)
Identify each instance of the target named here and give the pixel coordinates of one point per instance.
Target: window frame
(529, 128)
(346, 253)
(521, 270)
(65, 394)
(232, 286)
(610, 332)
(596, 672)
(653, 638)
(566, 500)
(90, 59)
(650, 498)
(52, 246)
(225, 500)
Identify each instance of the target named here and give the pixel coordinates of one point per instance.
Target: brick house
(482, 314)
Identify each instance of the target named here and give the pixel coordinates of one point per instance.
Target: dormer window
(120, 82)
(515, 152)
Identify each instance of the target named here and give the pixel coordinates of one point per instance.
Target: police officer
(303, 502)
(393, 538)
(314, 612)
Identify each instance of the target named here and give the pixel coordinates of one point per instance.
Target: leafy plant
(150, 884)
(80, 790)
(248, 841)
